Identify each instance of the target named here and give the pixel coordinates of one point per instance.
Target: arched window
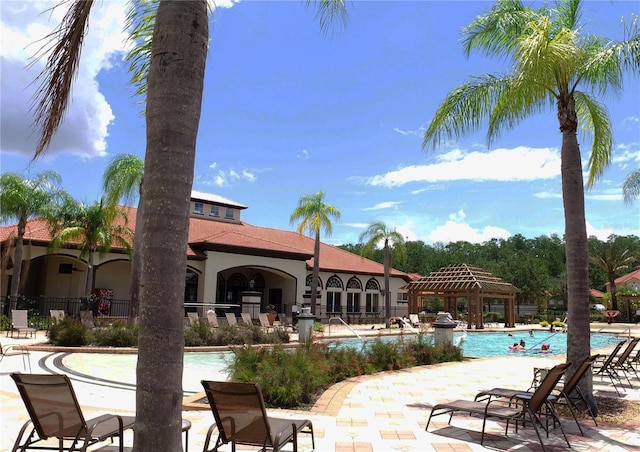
(354, 288)
(307, 282)
(258, 282)
(334, 294)
(372, 295)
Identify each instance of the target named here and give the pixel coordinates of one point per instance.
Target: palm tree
(393, 242)
(553, 64)
(173, 105)
(314, 215)
(23, 199)
(94, 228)
(123, 179)
(611, 256)
(631, 187)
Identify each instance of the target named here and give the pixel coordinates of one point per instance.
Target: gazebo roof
(457, 278)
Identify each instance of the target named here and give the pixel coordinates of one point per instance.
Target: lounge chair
(55, 413)
(610, 366)
(86, 318)
(264, 321)
(212, 318)
(241, 418)
(57, 315)
(560, 396)
(246, 319)
(531, 406)
(193, 318)
(231, 319)
(624, 363)
(286, 322)
(16, 350)
(20, 323)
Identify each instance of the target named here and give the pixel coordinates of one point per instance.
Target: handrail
(626, 329)
(347, 325)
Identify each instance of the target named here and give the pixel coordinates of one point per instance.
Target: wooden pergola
(462, 280)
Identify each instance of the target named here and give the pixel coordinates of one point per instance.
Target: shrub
(295, 377)
(117, 334)
(70, 332)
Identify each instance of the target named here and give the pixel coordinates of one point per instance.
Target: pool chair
(264, 322)
(560, 396)
(231, 319)
(241, 418)
(246, 319)
(533, 406)
(614, 365)
(20, 323)
(55, 413)
(212, 318)
(625, 363)
(16, 350)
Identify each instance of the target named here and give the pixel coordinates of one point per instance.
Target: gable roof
(459, 278)
(624, 279)
(241, 238)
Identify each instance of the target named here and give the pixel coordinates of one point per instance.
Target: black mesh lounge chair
(625, 363)
(613, 364)
(531, 406)
(570, 394)
(55, 413)
(241, 418)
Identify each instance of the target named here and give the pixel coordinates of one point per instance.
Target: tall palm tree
(23, 199)
(393, 241)
(123, 179)
(94, 228)
(553, 64)
(631, 187)
(611, 256)
(314, 215)
(173, 105)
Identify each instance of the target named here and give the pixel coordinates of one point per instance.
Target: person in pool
(545, 348)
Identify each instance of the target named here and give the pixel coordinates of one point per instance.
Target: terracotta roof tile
(244, 238)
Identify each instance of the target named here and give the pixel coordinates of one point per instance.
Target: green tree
(24, 199)
(314, 215)
(553, 63)
(392, 242)
(94, 228)
(631, 187)
(174, 87)
(123, 179)
(612, 256)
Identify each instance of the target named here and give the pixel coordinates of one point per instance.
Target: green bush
(294, 377)
(117, 334)
(70, 332)
(201, 334)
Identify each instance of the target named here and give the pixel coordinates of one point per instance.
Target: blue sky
(289, 111)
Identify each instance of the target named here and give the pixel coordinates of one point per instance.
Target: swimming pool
(120, 368)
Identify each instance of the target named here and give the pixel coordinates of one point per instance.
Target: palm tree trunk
(316, 272)
(136, 266)
(174, 98)
(387, 295)
(88, 284)
(17, 264)
(578, 335)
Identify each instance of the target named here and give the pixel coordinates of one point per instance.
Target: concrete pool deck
(382, 412)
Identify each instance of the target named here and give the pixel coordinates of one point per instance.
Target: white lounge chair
(20, 323)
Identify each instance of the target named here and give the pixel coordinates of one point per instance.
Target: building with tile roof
(227, 260)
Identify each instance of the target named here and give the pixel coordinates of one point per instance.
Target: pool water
(481, 344)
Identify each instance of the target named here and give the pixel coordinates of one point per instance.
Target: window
(198, 208)
(228, 213)
(372, 303)
(215, 211)
(353, 302)
(333, 302)
(403, 297)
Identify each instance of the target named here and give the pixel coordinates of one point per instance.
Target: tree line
(536, 266)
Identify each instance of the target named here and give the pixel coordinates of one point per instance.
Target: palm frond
(52, 97)
(631, 187)
(140, 21)
(327, 13)
(567, 14)
(594, 119)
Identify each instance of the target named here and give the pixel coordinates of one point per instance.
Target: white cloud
(304, 155)
(405, 132)
(383, 205)
(454, 229)
(602, 234)
(517, 164)
(224, 178)
(83, 131)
